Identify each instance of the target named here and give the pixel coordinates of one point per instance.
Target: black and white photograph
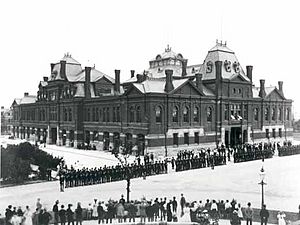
(150, 112)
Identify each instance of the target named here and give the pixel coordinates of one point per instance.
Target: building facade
(6, 120)
(171, 105)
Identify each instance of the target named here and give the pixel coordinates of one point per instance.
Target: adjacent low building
(170, 106)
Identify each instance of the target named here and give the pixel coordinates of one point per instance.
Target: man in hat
(55, 211)
(264, 215)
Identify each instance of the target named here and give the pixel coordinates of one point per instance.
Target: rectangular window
(196, 137)
(175, 139)
(267, 133)
(280, 132)
(273, 133)
(226, 113)
(246, 112)
(186, 138)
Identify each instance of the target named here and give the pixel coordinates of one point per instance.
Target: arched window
(288, 114)
(209, 114)
(158, 114)
(131, 114)
(267, 114)
(138, 114)
(196, 114)
(65, 115)
(186, 113)
(256, 114)
(280, 113)
(70, 114)
(175, 114)
(273, 114)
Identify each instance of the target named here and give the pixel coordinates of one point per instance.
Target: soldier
(62, 181)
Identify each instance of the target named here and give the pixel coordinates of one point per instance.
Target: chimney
(140, 78)
(249, 72)
(262, 92)
(132, 73)
(280, 83)
(87, 88)
(199, 84)
(184, 64)
(117, 81)
(26, 94)
(62, 72)
(169, 81)
(45, 79)
(218, 65)
(52, 67)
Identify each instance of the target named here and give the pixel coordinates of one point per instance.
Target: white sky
(127, 34)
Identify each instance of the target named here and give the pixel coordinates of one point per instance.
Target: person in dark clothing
(169, 212)
(100, 212)
(264, 215)
(55, 212)
(235, 220)
(174, 205)
(78, 213)
(44, 217)
(110, 213)
(62, 215)
(8, 215)
(70, 215)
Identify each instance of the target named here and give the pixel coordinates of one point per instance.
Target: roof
(168, 53)
(230, 66)
(156, 85)
(28, 99)
(95, 76)
(68, 58)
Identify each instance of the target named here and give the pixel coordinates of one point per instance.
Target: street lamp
(262, 175)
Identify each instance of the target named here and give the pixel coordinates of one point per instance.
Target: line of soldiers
(85, 176)
(289, 150)
(187, 160)
(249, 152)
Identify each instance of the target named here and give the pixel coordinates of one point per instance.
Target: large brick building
(169, 106)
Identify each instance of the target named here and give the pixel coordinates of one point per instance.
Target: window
(280, 132)
(273, 133)
(280, 114)
(273, 114)
(138, 114)
(104, 115)
(267, 114)
(118, 114)
(131, 114)
(107, 114)
(65, 115)
(287, 114)
(70, 114)
(196, 114)
(256, 114)
(175, 139)
(175, 114)
(158, 114)
(240, 91)
(88, 114)
(233, 90)
(226, 112)
(196, 137)
(267, 133)
(186, 138)
(209, 114)
(186, 114)
(97, 114)
(93, 114)
(246, 112)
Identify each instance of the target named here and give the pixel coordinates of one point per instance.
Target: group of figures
(286, 150)
(85, 176)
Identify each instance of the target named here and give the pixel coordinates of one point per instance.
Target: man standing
(182, 203)
(55, 211)
(174, 205)
(264, 215)
(62, 215)
(249, 214)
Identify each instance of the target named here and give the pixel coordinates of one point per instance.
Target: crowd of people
(249, 152)
(144, 210)
(189, 159)
(85, 176)
(286, 150)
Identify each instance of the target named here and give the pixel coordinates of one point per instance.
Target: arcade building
(169, 107)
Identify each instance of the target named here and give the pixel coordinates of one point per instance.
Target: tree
(122, 154)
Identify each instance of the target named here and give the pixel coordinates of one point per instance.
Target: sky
(125, 35)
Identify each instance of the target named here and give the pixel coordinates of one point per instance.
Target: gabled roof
(268, 90)
(17, 101)
(28, 99)
(68, 58)
(95, 76)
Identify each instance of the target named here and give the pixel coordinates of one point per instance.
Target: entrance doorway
(53, 135)
(235, 136)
